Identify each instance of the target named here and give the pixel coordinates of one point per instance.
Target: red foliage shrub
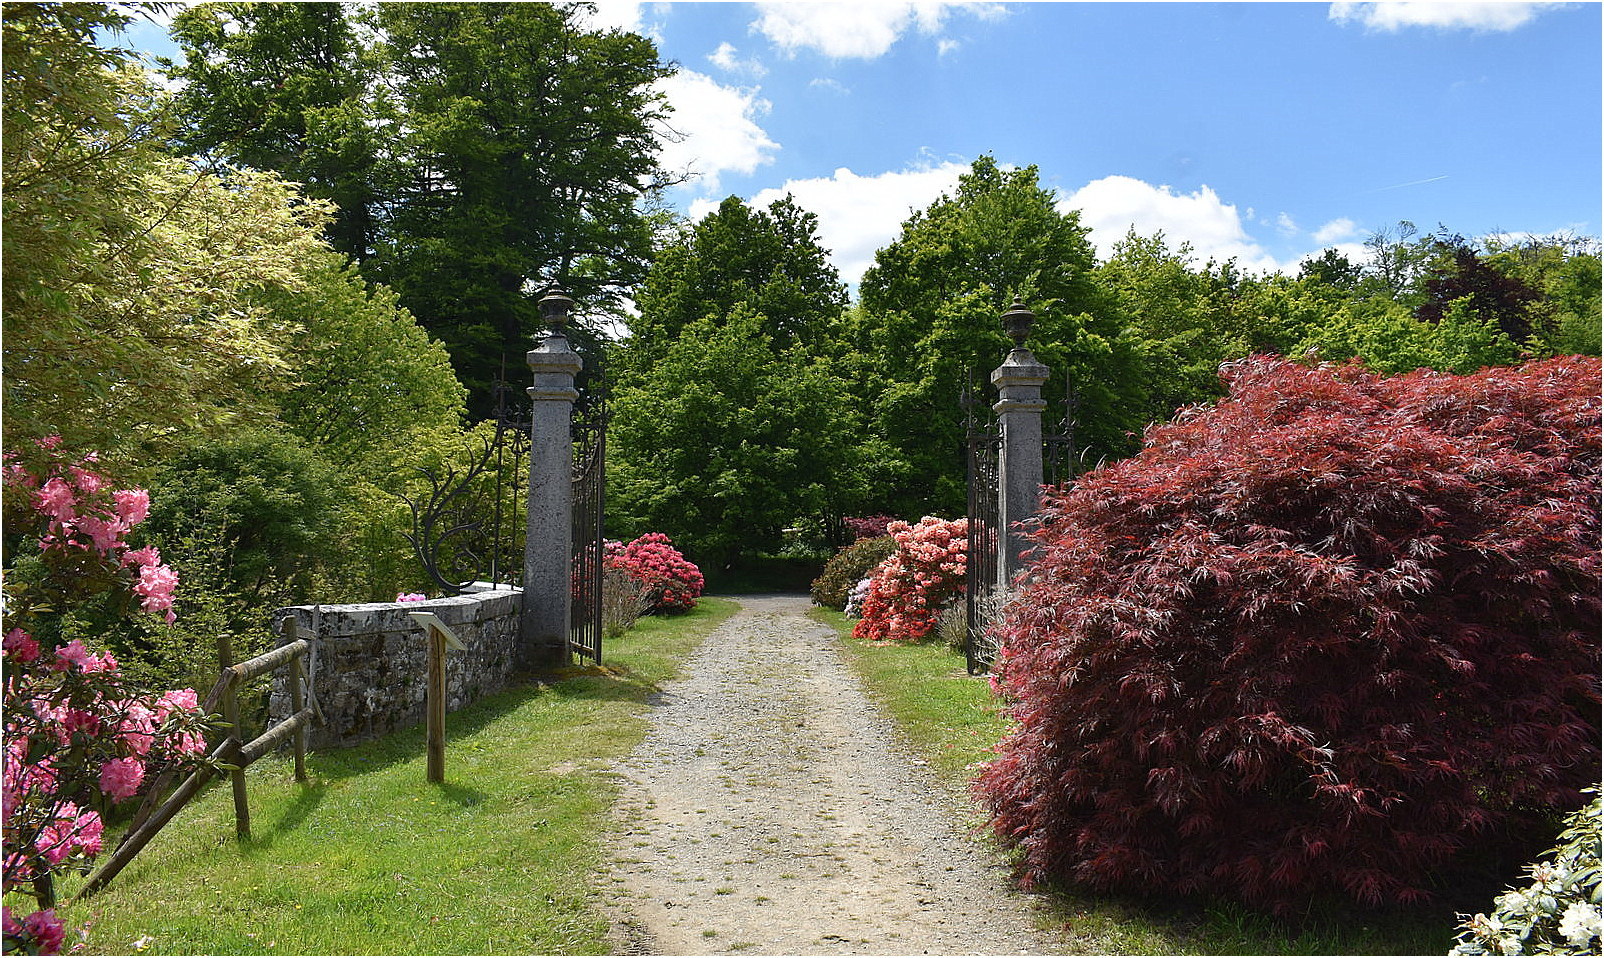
(674, 580)
(1322, 636)
(869, 527)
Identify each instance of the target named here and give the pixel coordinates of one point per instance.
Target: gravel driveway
(771, 811)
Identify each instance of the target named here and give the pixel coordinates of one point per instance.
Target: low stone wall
(370, 662)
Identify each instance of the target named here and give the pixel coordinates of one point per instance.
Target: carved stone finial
(1017, 322)
(554, 309)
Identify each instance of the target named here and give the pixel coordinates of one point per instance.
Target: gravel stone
(772, 810)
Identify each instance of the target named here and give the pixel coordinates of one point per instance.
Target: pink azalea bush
(79, 736)
(673, 581)
(908, 591)
(85, 522)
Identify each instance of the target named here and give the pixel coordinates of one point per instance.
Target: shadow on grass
(607, 682)
(1123, 924)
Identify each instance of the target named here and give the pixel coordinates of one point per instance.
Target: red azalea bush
(79, 737)
(1328, 634)
(673, 580)
(908, 590)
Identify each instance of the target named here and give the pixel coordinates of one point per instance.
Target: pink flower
(120, 778)
(46, 931)
(77, 720)
(55, 499)
(21, 646)
(411, 597)
(87, 831)
(133, 505)
(137, 725)
(176, 700)
(87, 482)
(156, 583)
(149, 555)
(73, 654)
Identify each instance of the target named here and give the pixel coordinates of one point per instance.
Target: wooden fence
(231, 754)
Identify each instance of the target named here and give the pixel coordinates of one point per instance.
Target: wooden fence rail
(230, 753)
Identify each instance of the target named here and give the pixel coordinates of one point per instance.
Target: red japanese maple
(1321, 636)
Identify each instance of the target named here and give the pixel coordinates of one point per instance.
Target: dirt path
(770, 811)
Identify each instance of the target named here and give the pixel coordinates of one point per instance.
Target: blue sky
(1266, 132)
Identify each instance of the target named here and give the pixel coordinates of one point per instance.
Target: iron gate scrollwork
(470, 527)
(984, 447)
(589, 431)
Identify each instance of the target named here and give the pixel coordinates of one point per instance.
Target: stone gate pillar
(548, 546)
(1019, 407)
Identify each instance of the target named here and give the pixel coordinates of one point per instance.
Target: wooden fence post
(439, 637)
(242, 805)
(297, 701)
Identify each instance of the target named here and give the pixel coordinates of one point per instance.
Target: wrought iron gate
(589, 494)
(470, 527)
(984, 447)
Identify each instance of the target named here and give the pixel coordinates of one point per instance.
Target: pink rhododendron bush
(79, 736)
(908, 591)
(673, 581)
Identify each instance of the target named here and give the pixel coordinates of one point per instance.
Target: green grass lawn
(952, 720)
(369, 858)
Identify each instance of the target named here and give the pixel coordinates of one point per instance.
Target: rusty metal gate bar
(984, 448)
(589, 495)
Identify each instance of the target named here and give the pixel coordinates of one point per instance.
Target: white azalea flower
(1580, 923)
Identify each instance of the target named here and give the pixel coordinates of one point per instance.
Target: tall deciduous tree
(770, 259)
(127, 273)
(493, 149)
(726, 440)
(929, 324)
(287, 87)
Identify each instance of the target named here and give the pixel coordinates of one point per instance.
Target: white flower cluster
(854, 606)
(1559, 912)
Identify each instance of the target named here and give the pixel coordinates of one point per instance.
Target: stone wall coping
(366, 618)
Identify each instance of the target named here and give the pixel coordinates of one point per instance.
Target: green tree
(127, 273)
(1565, 270)
(366, 377)
(480, 151)
(726, 440)
(769, 259)
(928, 325)
(288, 87)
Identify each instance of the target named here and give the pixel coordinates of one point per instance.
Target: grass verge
(952, 720)
(369, 858)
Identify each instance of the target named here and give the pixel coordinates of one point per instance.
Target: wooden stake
(242, 805)
(437, 704)
(297, 704)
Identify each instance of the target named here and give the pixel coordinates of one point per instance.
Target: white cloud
(725, 59)
(831, 84)
(1112, 206)
(1284, 223)
(859, 214)
(862, 30)
(1336, 231)
(1394, 16)
(613, 14)
(713, 129)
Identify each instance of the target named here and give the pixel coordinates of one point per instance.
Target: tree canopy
(127, 271)
(929, 325)
(479, 153)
